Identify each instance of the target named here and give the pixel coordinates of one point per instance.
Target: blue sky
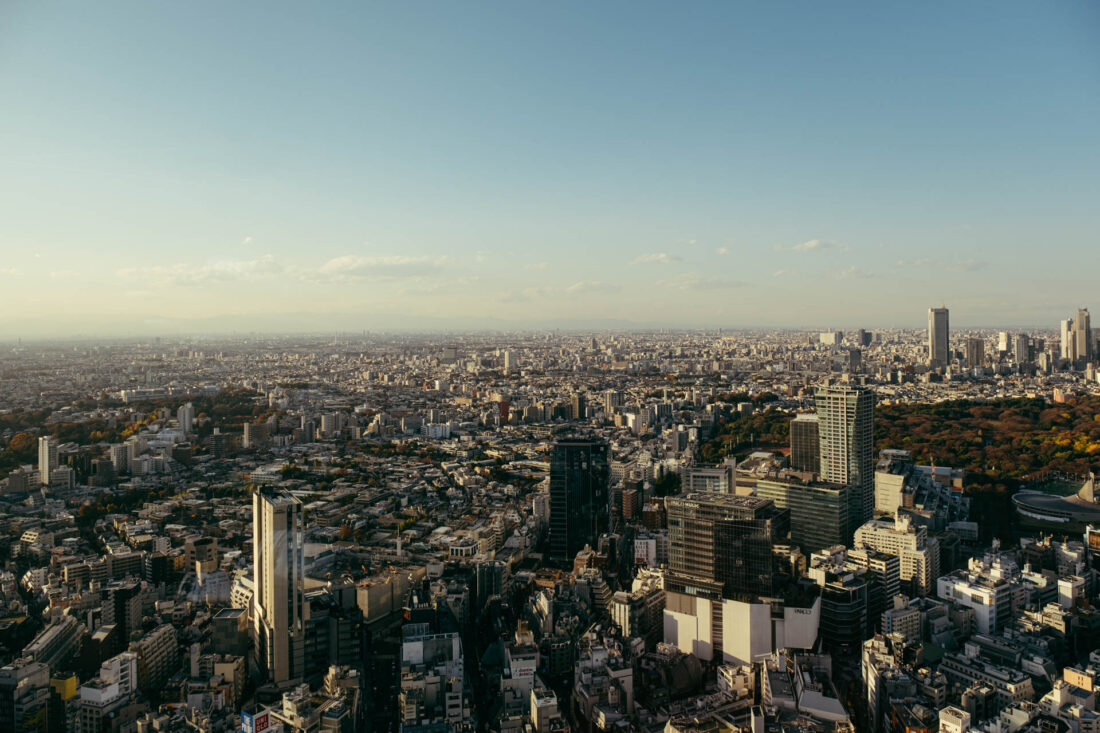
(181, 166)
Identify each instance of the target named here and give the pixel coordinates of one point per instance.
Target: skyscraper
(847, 416)
(277, 606)
(1065, 332)
(1082, 337)
(806, 443)
(938, 338)
(975, 353)
(185, 415)
(577, 407)
(724, 539)
(47, 458)
(579, 503)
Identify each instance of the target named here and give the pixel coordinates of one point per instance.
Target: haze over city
(210, 167)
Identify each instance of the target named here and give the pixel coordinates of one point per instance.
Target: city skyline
(445, 167)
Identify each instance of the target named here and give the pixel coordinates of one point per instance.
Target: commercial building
(939, 354)
(806, 443)
(721, 479)
(278, 605)
(579, 500)
(47, 457)
(821, 515)
(847, 415)
(918, 553)
(24, 696)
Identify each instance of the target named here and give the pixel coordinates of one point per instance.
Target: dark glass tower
(724, 539)
(805, 443)
(579, 503)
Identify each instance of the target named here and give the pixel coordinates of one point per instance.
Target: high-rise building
(820, 514)
(847, 415)
(1021, 345)
(1065, 332)
(185, 415)
(744, 561)
(24, 696)
(806, 443)
(1082, 337)
(975, 353)
(939, 354)
(863, 338)
(577, 407)
(579, 501)
(277, 565)
(47, 457)
(712, 536)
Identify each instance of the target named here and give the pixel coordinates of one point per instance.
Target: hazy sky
(270, 165)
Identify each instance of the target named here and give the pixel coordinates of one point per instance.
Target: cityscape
(683, 531)
(549, 367)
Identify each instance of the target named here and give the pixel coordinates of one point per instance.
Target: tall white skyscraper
(185, 415)
(846, 420)
(278, 605)
(1082, 336)
(938, 338)
(47, 458)
(1065, 331)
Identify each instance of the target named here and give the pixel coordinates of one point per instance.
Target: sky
(215, 167)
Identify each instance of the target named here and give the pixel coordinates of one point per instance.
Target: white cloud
(591, 286)
(64, 274)
(536, 266)
(247, 240)
(813, 245)
(356, 267)
(527, 294)
(779, 273)
(722, 251)
(201, 274)
(662, 258)
(949, 266)
(853, 273)
(695, 281)
(11, 271)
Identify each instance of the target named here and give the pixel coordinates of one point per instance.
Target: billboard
(257, 722)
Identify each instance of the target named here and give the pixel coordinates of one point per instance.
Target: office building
(989, 596)
(726, 539)
(846, 414)
(918, 553)
(47, 458)
(723, 597)
(278, 603)
(579, 500)
(1021, 349)
(24, 696)
(1065, 333)
(185, 416)
(820, 514)
(1083, 342)
(806, 443)
(939, 354)
(577, 407)
(975, 353)
(721, 479)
